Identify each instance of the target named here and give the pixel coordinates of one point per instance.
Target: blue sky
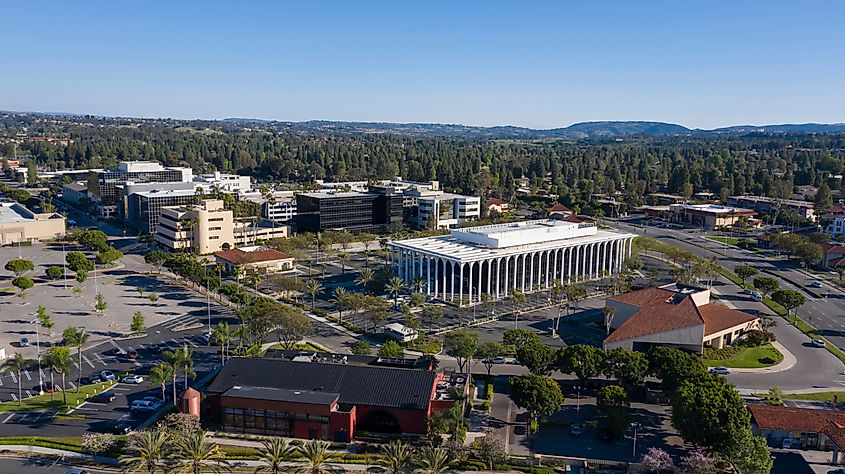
(534, 64)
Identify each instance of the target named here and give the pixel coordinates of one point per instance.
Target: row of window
(248, 419)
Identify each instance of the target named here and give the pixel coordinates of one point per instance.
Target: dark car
(103, 397)
(119, 427)
(91, 379)
(114, 351)
(143, 369)
(154, 349)
(131, 354)
(47, 387)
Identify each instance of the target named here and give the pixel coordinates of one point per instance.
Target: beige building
(249, 260)
(675, 316)
(208, 228)
(19, 224)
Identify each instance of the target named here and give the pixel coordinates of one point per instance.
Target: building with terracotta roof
(834, 254)
(254, 260)
(561, 210)
(674, 315)
(806, 428)
(498, 205)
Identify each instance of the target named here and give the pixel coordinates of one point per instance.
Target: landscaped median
(55, 401)
(741, 357)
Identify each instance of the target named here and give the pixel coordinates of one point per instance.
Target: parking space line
(72, 385)
(87, 361)
(28, 377)
(1, 381)
(9, 418)
(100, 359)
(14, 397)
(43, 375)
(76, 365)
(190, 342)
(28, 393)
(15, 379)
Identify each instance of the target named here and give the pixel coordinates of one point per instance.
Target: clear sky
(535, 64)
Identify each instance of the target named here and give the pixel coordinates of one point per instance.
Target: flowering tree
(698, 462)
(657, 460)
(97, 443)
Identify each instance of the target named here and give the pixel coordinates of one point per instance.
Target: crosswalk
(180, 321)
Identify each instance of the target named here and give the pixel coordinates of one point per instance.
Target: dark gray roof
(282, 395)
(356, 384)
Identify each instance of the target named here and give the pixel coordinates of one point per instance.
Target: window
(214, 237)
(215, 219)
(214, 228)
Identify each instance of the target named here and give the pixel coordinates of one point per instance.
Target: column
(498, 276)
(522, 283)
(554, 265)
(436, 269)
(539, 270)
(469, 283)
(443, 277)
(490, 276)
(421, 257)
(460, 285)
(569, 266)
(428, 278)
(507, 264)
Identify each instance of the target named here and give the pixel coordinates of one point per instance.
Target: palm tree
(222, 335)
(194, 454)
(17, 364)
(395, 286)
(253, 279)
(365, 278)
(148, 450)
(397, 455)
(343, 257)
(434, 460)
(419, 283)
(60, 362)
(313, 287)
(341, 300)
(275, 452)
(160, 374)
(316, 455)
(76, 337)
(181, 358)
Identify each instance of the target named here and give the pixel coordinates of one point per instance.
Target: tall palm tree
(434, 460)
(341, 300)
(419, 283)
(395, 286)
(148, 450)
(222, 335)
(343, 257)
(17, 364)
(60, 362)
(76, 337)
(275, 453)
(315, 453)
(313, 287)
(47, 360)
(194, 454)
(253, 279)
(181, 358)
(397, 455)
(364, 279)
(160, 374)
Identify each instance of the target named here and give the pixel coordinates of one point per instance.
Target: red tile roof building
(676, 316)
(255, 260)
(806, 427)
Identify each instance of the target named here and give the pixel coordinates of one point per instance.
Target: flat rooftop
(713, 208)
(11, 212)
(325, 194)
(500, 240)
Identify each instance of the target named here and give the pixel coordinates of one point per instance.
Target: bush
(756, 337)
(488, 395)
(485, 406)
(723, 353)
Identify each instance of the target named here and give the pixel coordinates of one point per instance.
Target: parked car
(118, 427)
(71, 222)
(721, 370)
(114, 351)
(143, 369)
(107, 375)
(815, 284)
(786, 443)
(24, 342)
(499, 360)
(818, 343)
(133, 379)
(77, 471)
(154, 400)
(47, 387)
(144, 406)
(103, 397)
(93, 378)
(575, 429)
(756, 296)
(154, 349)
(131, 354)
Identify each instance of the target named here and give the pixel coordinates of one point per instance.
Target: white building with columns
(498, 259)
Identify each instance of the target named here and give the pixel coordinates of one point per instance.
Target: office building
(806, 210)
(141, 208)
(73, 193)
(209, 227)
(226, 183)
(19, 224)
(352, 211)
(328, 396)
(706, 216)
(103, 185)
(280, 209)
(440, 210)
(497, 259)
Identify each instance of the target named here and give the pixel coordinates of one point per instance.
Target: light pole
(634, 452)
(208, 303)
(38, 356)
(64, 264)
(577, 400)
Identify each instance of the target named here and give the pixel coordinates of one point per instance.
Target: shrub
(756, 337)
(97, 443)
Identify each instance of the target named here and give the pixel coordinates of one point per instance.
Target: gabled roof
(496, 202)
(558, 207)
(663, 310)
(355, 384)
(808, 420)
(240, 257)
(834, 248)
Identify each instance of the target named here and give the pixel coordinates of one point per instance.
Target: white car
(721, 370)
(134, 379)
(756, 296)
(815, 284)
(499, 360)
(817, 343)
(107, 375)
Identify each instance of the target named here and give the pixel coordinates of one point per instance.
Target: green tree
(60, 362)
(434, 460)
(292, 326)
(160, 375)
(313, 287)
(148, 450)
(519, 337)
(341, 300)
(16, 365)
(537, 357)
(462, 345)
(583, 360)
(789, 299)
(749, 454)
(766, 285)
(19, 266)
(315, 455)
(195, 454)
(100, 304)
(22, 283)
(157, 258)
(138, 323)
(823, 199)
(488, 351)
(397, 456)
(77, 261)
(709, 412)
(75, 337)
(45, 320)
(394, 287)
(537, 394)
(361, 347)
(80, 277)
(628, 367)
(54, 272)
(391, 349)
(222, 336)
(364, 279)
(275, 454)
(809, 253)
(96, 240)
(674, 366)
(181, 358)
(491, 449)
(153, 297)
(745, 272)
(109, 256)
(611, 396)
(431, 313)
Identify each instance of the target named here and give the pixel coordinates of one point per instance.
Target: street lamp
(634, 452)
(64, 264)
(38, 356)
(577, 400)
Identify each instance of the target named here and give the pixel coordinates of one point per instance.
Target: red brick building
(326, 399)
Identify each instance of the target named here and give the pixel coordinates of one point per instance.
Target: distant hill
(785, 128)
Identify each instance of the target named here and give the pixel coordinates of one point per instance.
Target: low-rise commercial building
(674, 315)
(706, 216)
(766, 204)
(497, 259)
(254, 260)
(142, 203)
(328, 397)
(804, 428)
(19, 224)
(223, 182)
(74, 192)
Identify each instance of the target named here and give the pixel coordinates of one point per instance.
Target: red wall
(341, 421)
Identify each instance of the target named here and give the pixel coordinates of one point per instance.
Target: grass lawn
(302, 346)
(749, 358)
(818, 396)
(44, 403)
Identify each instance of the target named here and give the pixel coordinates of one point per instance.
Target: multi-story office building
(141, 208)
(498, 259)
(103, 185)
(281, 209)
(210, 227)
(226, 183)
(353, 211)
(439, 210)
